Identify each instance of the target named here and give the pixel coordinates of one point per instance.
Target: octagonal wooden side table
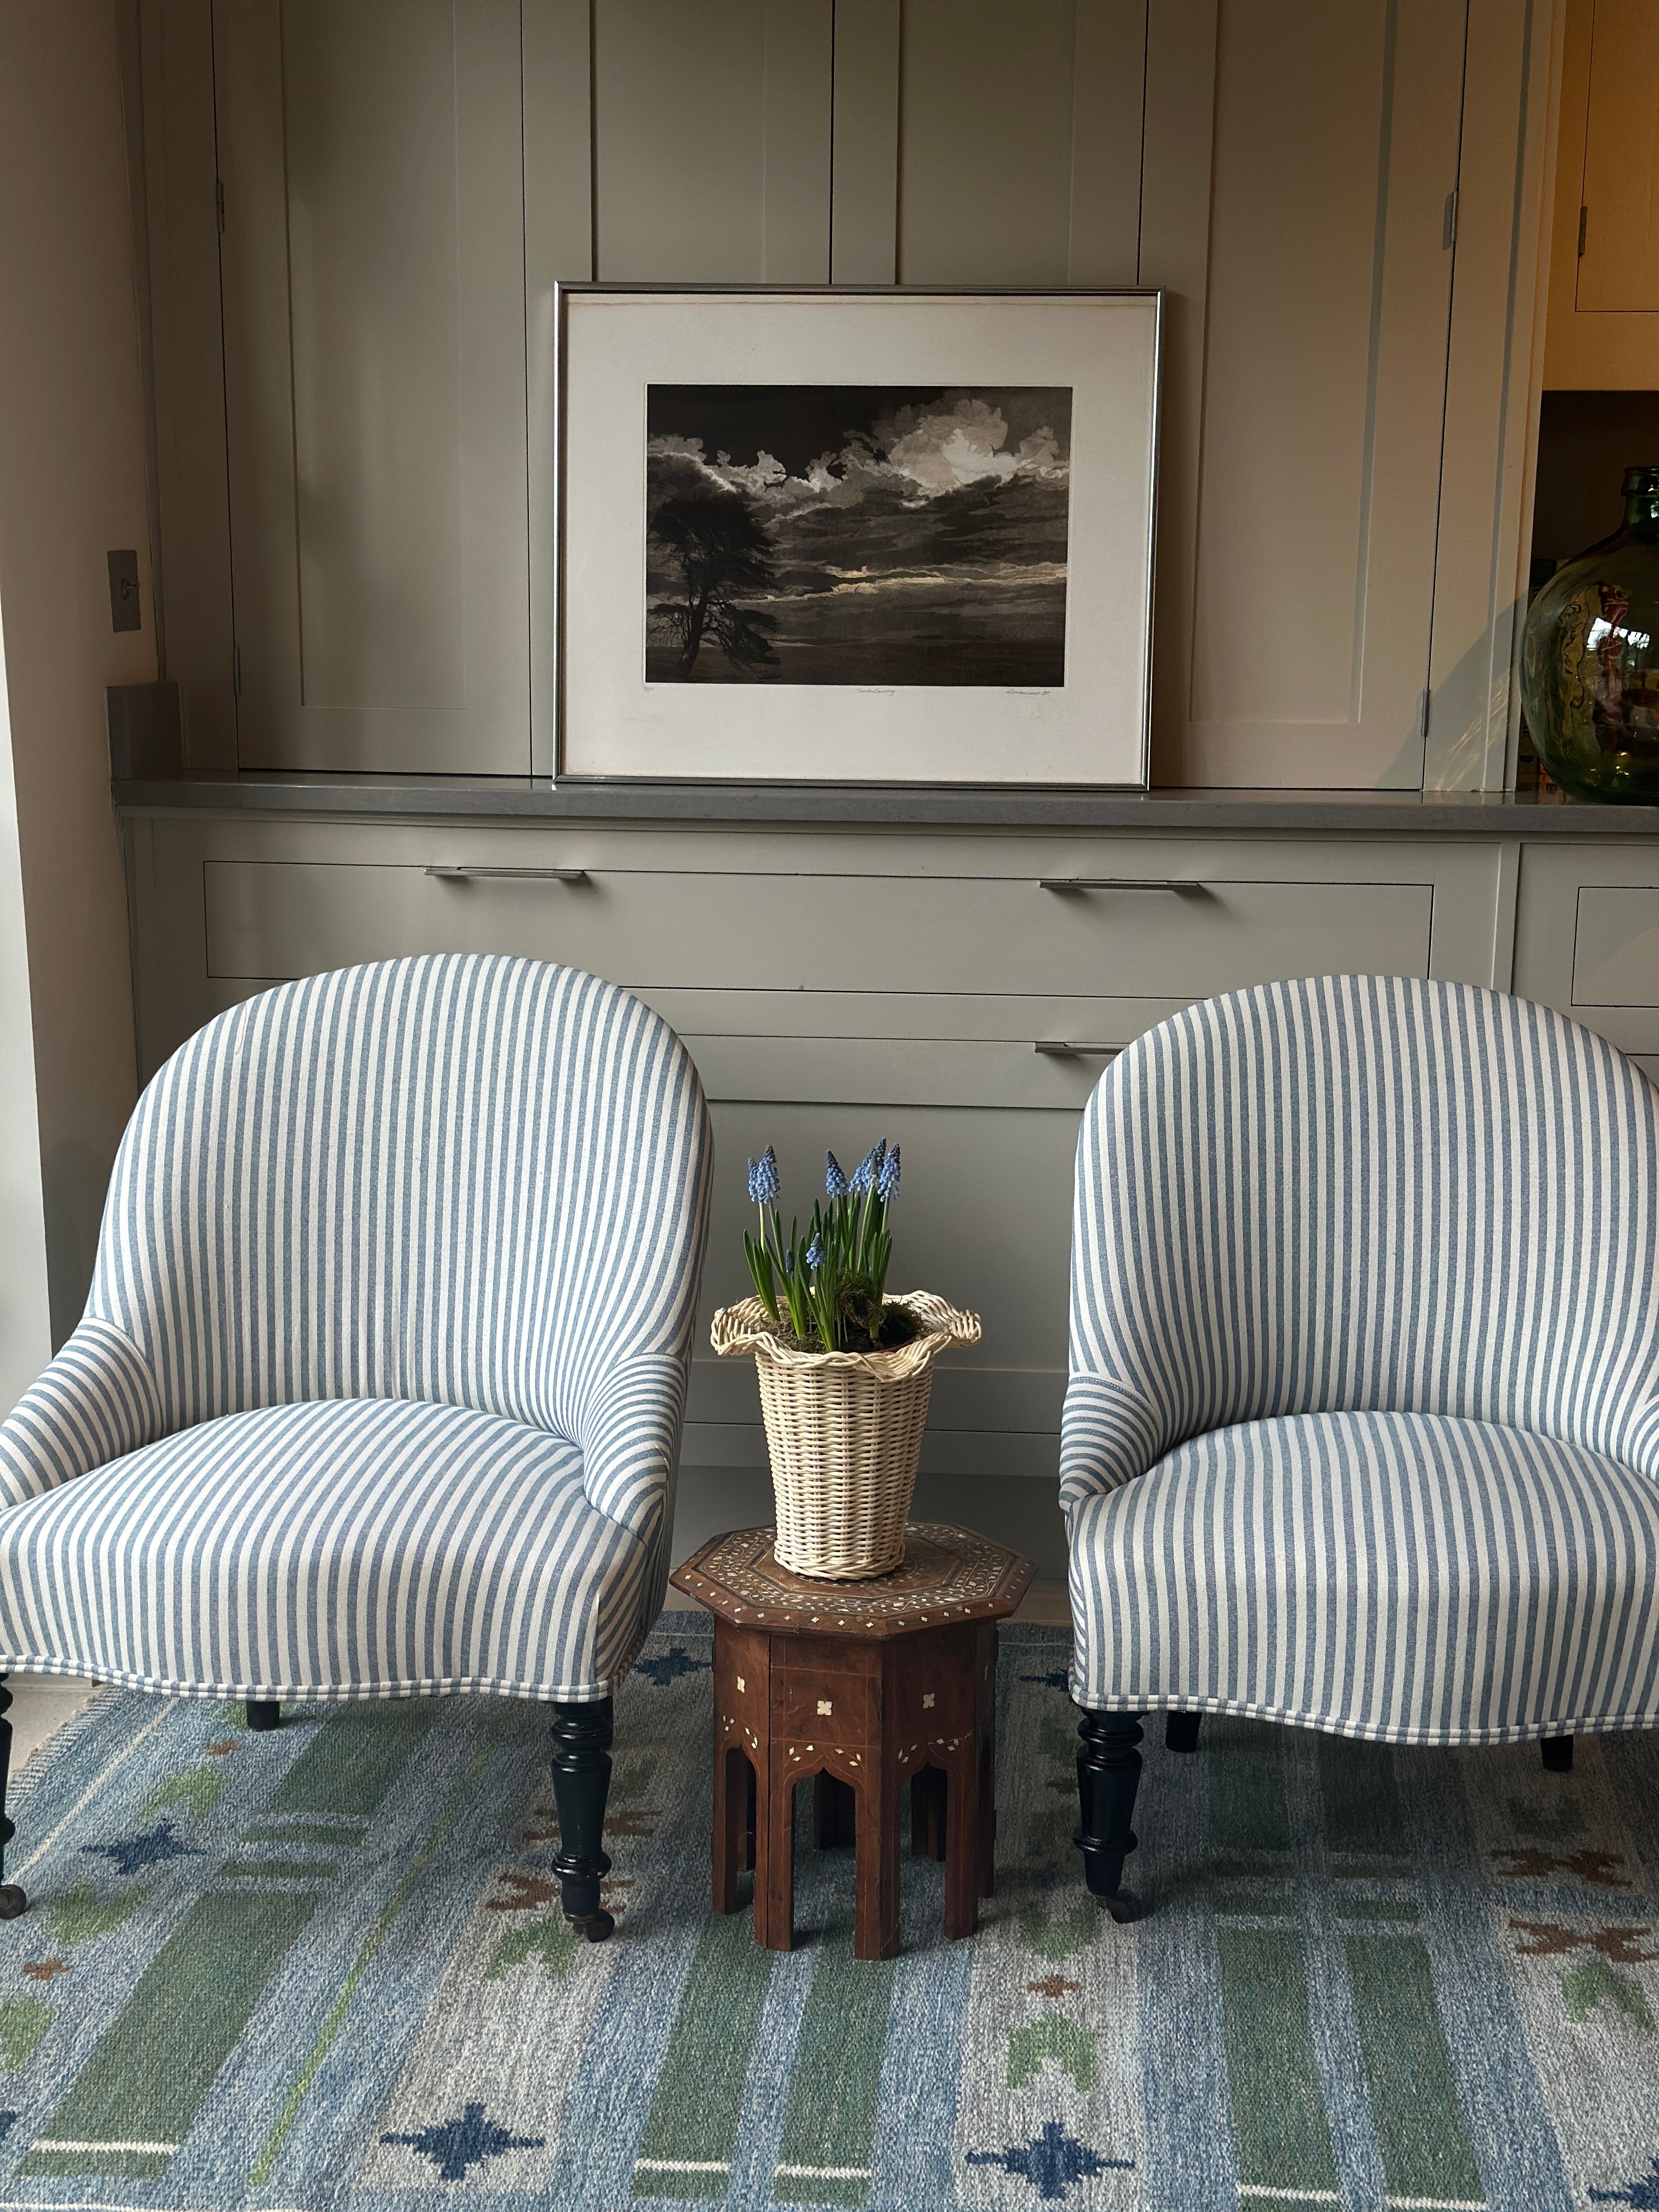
(866, 1686)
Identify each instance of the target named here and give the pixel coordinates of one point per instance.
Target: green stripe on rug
(1284, 2140)
(830, 2127)
(691, 2130)
(151, 2069)
(136, 2099)
(1408, 2071)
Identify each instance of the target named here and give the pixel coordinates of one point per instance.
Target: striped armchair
(379, 1389)
(1361, 1430)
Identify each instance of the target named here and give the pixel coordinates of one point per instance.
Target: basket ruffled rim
(745, 1328)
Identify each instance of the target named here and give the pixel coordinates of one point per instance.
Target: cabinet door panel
(1335, 146)
(1019, 148)
(374, 356)
(712, 141)
(1615, 958)
(1587, 936)
(1619, 268)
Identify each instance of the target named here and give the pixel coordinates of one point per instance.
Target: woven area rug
(325, 1969)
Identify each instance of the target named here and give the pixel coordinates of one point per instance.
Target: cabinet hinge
(219, 203)
(1449, 222)
(236, 670)
(1584, 224)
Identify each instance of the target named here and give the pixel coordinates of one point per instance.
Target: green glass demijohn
(1589, 664)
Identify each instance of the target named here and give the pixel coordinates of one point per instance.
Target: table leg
(734, 1823)
(876, 1909)
(986, 1677)
(774, 1858)
(962, 1833)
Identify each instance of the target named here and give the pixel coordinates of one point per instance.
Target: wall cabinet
(1604, 264)
(403, 181)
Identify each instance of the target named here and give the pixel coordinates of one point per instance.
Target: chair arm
(628, 1434)
(95, 1402)
(1108, 1436)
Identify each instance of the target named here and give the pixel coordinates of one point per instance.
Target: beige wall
(71, 488)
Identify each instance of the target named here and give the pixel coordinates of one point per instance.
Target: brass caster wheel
(596, 1926)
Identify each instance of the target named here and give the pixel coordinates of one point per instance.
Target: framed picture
(831, 536)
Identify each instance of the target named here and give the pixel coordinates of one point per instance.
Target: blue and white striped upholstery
(380, 1382)
(1363, 1423)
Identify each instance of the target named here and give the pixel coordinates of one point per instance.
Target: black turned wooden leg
(263, 1714)
(581, 1779)
(1108, 1776)
(12, 1899)
(1181, 1731)
(1557, 1753)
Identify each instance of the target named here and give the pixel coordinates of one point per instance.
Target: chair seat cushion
(1407, 1577)
(347, 1548)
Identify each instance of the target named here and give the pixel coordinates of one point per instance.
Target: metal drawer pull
(1075, 1048)
(1119, 884)
(456, 873)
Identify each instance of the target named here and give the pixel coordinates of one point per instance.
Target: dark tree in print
(722, 552)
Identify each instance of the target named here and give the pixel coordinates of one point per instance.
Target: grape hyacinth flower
(868, 1168)
(887, 1182)
(815, 1252)
(834, 1182)
(763, 1178)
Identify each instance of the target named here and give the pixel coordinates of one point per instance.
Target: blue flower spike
(865, 1174)
(834, 1182)
(887, 1182)
(815, 1254)
(763, 1178)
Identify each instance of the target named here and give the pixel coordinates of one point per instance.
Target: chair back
(463, 1179)
(1364, 1193)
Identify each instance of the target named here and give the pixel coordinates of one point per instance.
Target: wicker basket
(843, 1430)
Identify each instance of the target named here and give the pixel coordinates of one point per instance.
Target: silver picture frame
(860, 672)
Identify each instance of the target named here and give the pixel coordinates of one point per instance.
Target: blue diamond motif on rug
(663, 1667)
(456, 2145)
(127, 1854)
(1052, 2163)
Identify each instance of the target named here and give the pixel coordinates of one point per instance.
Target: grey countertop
(899, 806)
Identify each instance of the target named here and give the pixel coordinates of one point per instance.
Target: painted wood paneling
(191, 491)
(712, 135)
(1511, 85)
(1335, 147)
(1602, 337)
(1618, 268)
(865, 178)
(1019, 141)
(375, 346)
(558, 248)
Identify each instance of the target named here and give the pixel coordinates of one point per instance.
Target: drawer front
(687, 929)
(1587, 938)
(1616, 950)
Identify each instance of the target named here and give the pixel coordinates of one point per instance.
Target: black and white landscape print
(857, 534)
